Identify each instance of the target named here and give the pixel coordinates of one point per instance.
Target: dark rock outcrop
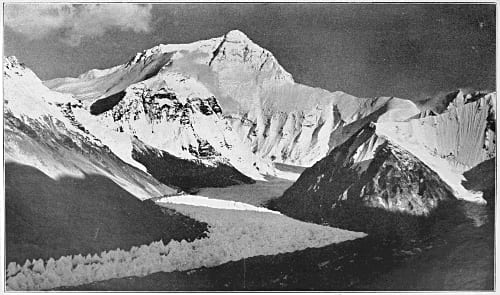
(343, 186)
(105, 104)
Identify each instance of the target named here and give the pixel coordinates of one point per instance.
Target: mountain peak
(12, 62)
(236, 36)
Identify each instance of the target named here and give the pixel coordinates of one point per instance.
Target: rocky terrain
(132, 177)
(411, 167)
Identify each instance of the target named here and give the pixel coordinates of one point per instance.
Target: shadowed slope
(482, 178)
(105, 104)
(50, 218)
(360, 182)
(186, 174)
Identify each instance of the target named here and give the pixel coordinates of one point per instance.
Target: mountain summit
(276, 118)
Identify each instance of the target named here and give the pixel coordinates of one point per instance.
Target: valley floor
(249, 250)
(458, 259)
(453, 254)
(256, 194)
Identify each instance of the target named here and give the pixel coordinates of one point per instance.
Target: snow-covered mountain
(451, 142)
(174, 114)
(226, 107)
(40, 130)
(366, 170)
(409, 166)
(273, 116)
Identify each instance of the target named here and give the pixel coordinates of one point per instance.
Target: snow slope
(452, 142)
(275, 117)
(201, 201)
(170, 112)
(40, 132)
(233, 235)
(366, 170)
(406, 166)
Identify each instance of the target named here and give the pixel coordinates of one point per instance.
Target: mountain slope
(409, 167)
(277, 118)
(366, 171)
(66, 192)
(452, 142)
(41, 131)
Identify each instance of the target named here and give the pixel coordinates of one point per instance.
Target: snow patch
(213, 203)
(288, 175)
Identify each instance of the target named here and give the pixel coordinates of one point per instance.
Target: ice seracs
(234, 235)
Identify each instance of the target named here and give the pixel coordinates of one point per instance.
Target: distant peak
(11, 58)
(236, 36)
(12, 62)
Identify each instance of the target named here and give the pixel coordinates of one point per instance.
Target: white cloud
(72, 22)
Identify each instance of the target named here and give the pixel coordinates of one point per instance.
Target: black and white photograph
(249, 146)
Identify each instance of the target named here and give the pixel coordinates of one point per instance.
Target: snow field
(233, 235)
(212, 203)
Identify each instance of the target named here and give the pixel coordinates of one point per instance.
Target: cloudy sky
(410, 51)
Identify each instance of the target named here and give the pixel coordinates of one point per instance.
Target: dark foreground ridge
(51, 218)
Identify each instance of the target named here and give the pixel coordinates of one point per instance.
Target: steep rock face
(276, 117)
(365, 171)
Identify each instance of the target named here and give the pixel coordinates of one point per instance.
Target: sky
(412, 51)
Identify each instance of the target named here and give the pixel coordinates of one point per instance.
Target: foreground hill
(389, 170)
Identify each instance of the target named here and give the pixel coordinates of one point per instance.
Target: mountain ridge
(253, 90)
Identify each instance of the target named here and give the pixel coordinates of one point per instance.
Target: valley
(206, 167)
